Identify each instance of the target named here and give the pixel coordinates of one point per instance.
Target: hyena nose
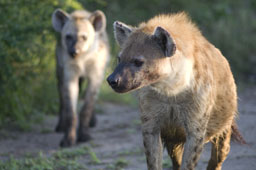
(113, 81)
(73, 52)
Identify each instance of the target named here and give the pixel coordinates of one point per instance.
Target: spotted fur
(82, 53)
(187, 92)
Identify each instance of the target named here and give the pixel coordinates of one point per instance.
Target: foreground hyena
(82, 53)
(187, 93)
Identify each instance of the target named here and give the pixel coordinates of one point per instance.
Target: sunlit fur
(191, 101)
(88, 63)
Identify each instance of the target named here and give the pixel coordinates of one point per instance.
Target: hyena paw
(83, 136)
(93, 121)
(65, 142)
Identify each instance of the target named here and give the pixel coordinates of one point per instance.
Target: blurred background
(27, 43)
(28, 89)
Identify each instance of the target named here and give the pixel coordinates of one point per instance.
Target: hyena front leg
(152, 142)
(195, 134)
(87, 118)
(69, 113)
(153, 150)
(175, 152)
(60, 82)
(220, 150)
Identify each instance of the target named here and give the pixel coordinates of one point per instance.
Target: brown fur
(186, 90)
(82, 54)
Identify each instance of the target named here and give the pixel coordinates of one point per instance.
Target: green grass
(121, 163)
(137, 151)
(167, 163)
(41, 163)
(64, 159)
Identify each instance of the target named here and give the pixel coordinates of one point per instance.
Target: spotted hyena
(82, 53)
(186, 90)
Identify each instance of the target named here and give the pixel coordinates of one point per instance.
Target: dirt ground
(118, 137)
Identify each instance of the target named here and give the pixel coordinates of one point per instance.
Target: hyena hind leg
(220, 150)
(175, 152)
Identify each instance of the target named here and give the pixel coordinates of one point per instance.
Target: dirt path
(117, 139)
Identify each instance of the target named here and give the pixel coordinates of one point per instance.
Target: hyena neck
(180, 78)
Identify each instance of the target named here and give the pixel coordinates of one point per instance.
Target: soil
(118, 137)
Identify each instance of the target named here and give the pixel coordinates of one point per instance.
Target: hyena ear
(59, 18)
(98, 20)
(165, 41)
(121, 32)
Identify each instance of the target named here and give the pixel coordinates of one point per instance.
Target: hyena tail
(236, 135)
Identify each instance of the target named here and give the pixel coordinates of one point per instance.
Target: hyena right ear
(165, 41)
(98, 20)
(121, 32)
(59, 18)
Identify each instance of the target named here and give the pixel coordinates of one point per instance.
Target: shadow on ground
(117, 141)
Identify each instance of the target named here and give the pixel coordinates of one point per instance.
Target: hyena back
(187, 93)
(82, 53)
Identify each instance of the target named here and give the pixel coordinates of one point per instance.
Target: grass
(41, 162)
(167, 163)
(121, 162)
(137, 151)
(65, 159)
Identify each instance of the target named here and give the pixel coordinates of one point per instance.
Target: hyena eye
(84, 37)
(138, 63)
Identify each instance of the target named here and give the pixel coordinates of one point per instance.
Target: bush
(27, 79)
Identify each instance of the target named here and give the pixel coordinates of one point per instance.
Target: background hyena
(82, 53)
(187, 92)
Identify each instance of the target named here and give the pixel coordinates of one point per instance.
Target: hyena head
(78, 30)
(144, 58)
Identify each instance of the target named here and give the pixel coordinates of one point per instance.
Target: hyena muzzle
(186, 90)
(81, 53)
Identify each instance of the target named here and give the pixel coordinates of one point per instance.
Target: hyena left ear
(122, 32)
(59, 18)
(165, 41)
(98, 20)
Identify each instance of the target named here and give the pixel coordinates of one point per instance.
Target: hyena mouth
(125, 90)
(122, 87)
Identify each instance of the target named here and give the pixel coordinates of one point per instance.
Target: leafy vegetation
(27, 65)
(27, 78)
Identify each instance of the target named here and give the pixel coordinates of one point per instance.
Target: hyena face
(144, 58)
(77, 37)
(78, 30)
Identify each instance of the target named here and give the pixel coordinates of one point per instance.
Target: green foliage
(27, 78)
